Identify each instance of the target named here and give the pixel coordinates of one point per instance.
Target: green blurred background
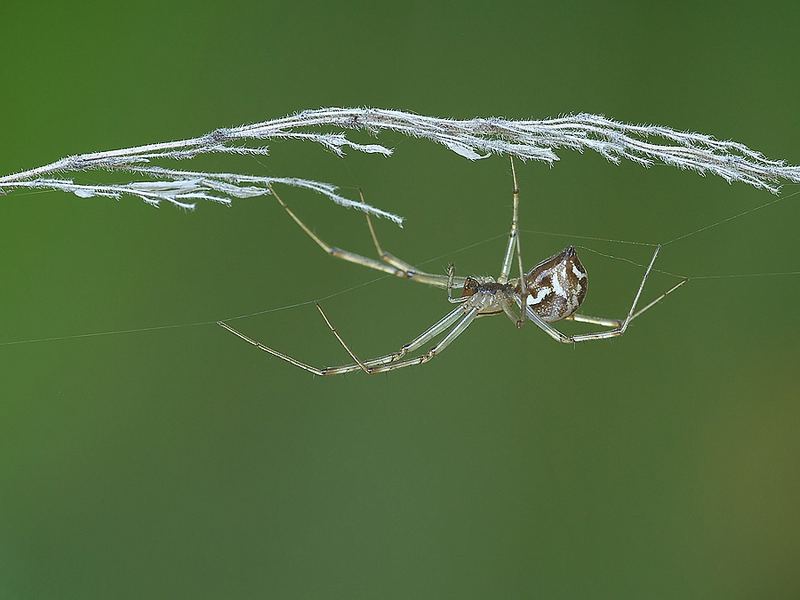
(182, 463)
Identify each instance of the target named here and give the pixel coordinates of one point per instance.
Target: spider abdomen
(557, 286)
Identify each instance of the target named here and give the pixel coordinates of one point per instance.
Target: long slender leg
(659, 299)
(423, 338)
(437, 328)
(508, 309)
(522, 282)
(361, 365)
(404, 266)
(513, 234)
(460, 327)
(267, 349)
(386, 267)
(624, 326)
(409, 271)
(605, 322)
(385, 256)
(544, 325)
(523, 286)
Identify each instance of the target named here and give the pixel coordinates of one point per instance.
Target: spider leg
(388, 257)
(602, 321)
(361, 365)
(508, 309)
(522, 282)
(456, 331)
(451, 277)
(430, 333)
(267, 349)
(408, 270)
(659, 299)
(514, 245)
(513, 236)
(619, 327)
(375, 365)
(437, 328)
(394, 266)
(605, 322)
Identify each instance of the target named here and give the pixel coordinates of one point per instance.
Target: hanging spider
(551, 291)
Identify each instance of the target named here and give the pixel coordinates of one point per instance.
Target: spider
(551, 291)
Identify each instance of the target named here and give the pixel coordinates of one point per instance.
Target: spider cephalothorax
(471, 286)
(556, 286)
(485, 285)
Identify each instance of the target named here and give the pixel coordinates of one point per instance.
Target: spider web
(689, 277)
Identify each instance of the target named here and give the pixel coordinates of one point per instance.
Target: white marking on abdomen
(557, 285)
(541, 294)
(578, 273)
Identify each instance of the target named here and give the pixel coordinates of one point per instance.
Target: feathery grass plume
(473, 139)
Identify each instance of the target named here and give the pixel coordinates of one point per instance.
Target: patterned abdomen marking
(557, 286)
